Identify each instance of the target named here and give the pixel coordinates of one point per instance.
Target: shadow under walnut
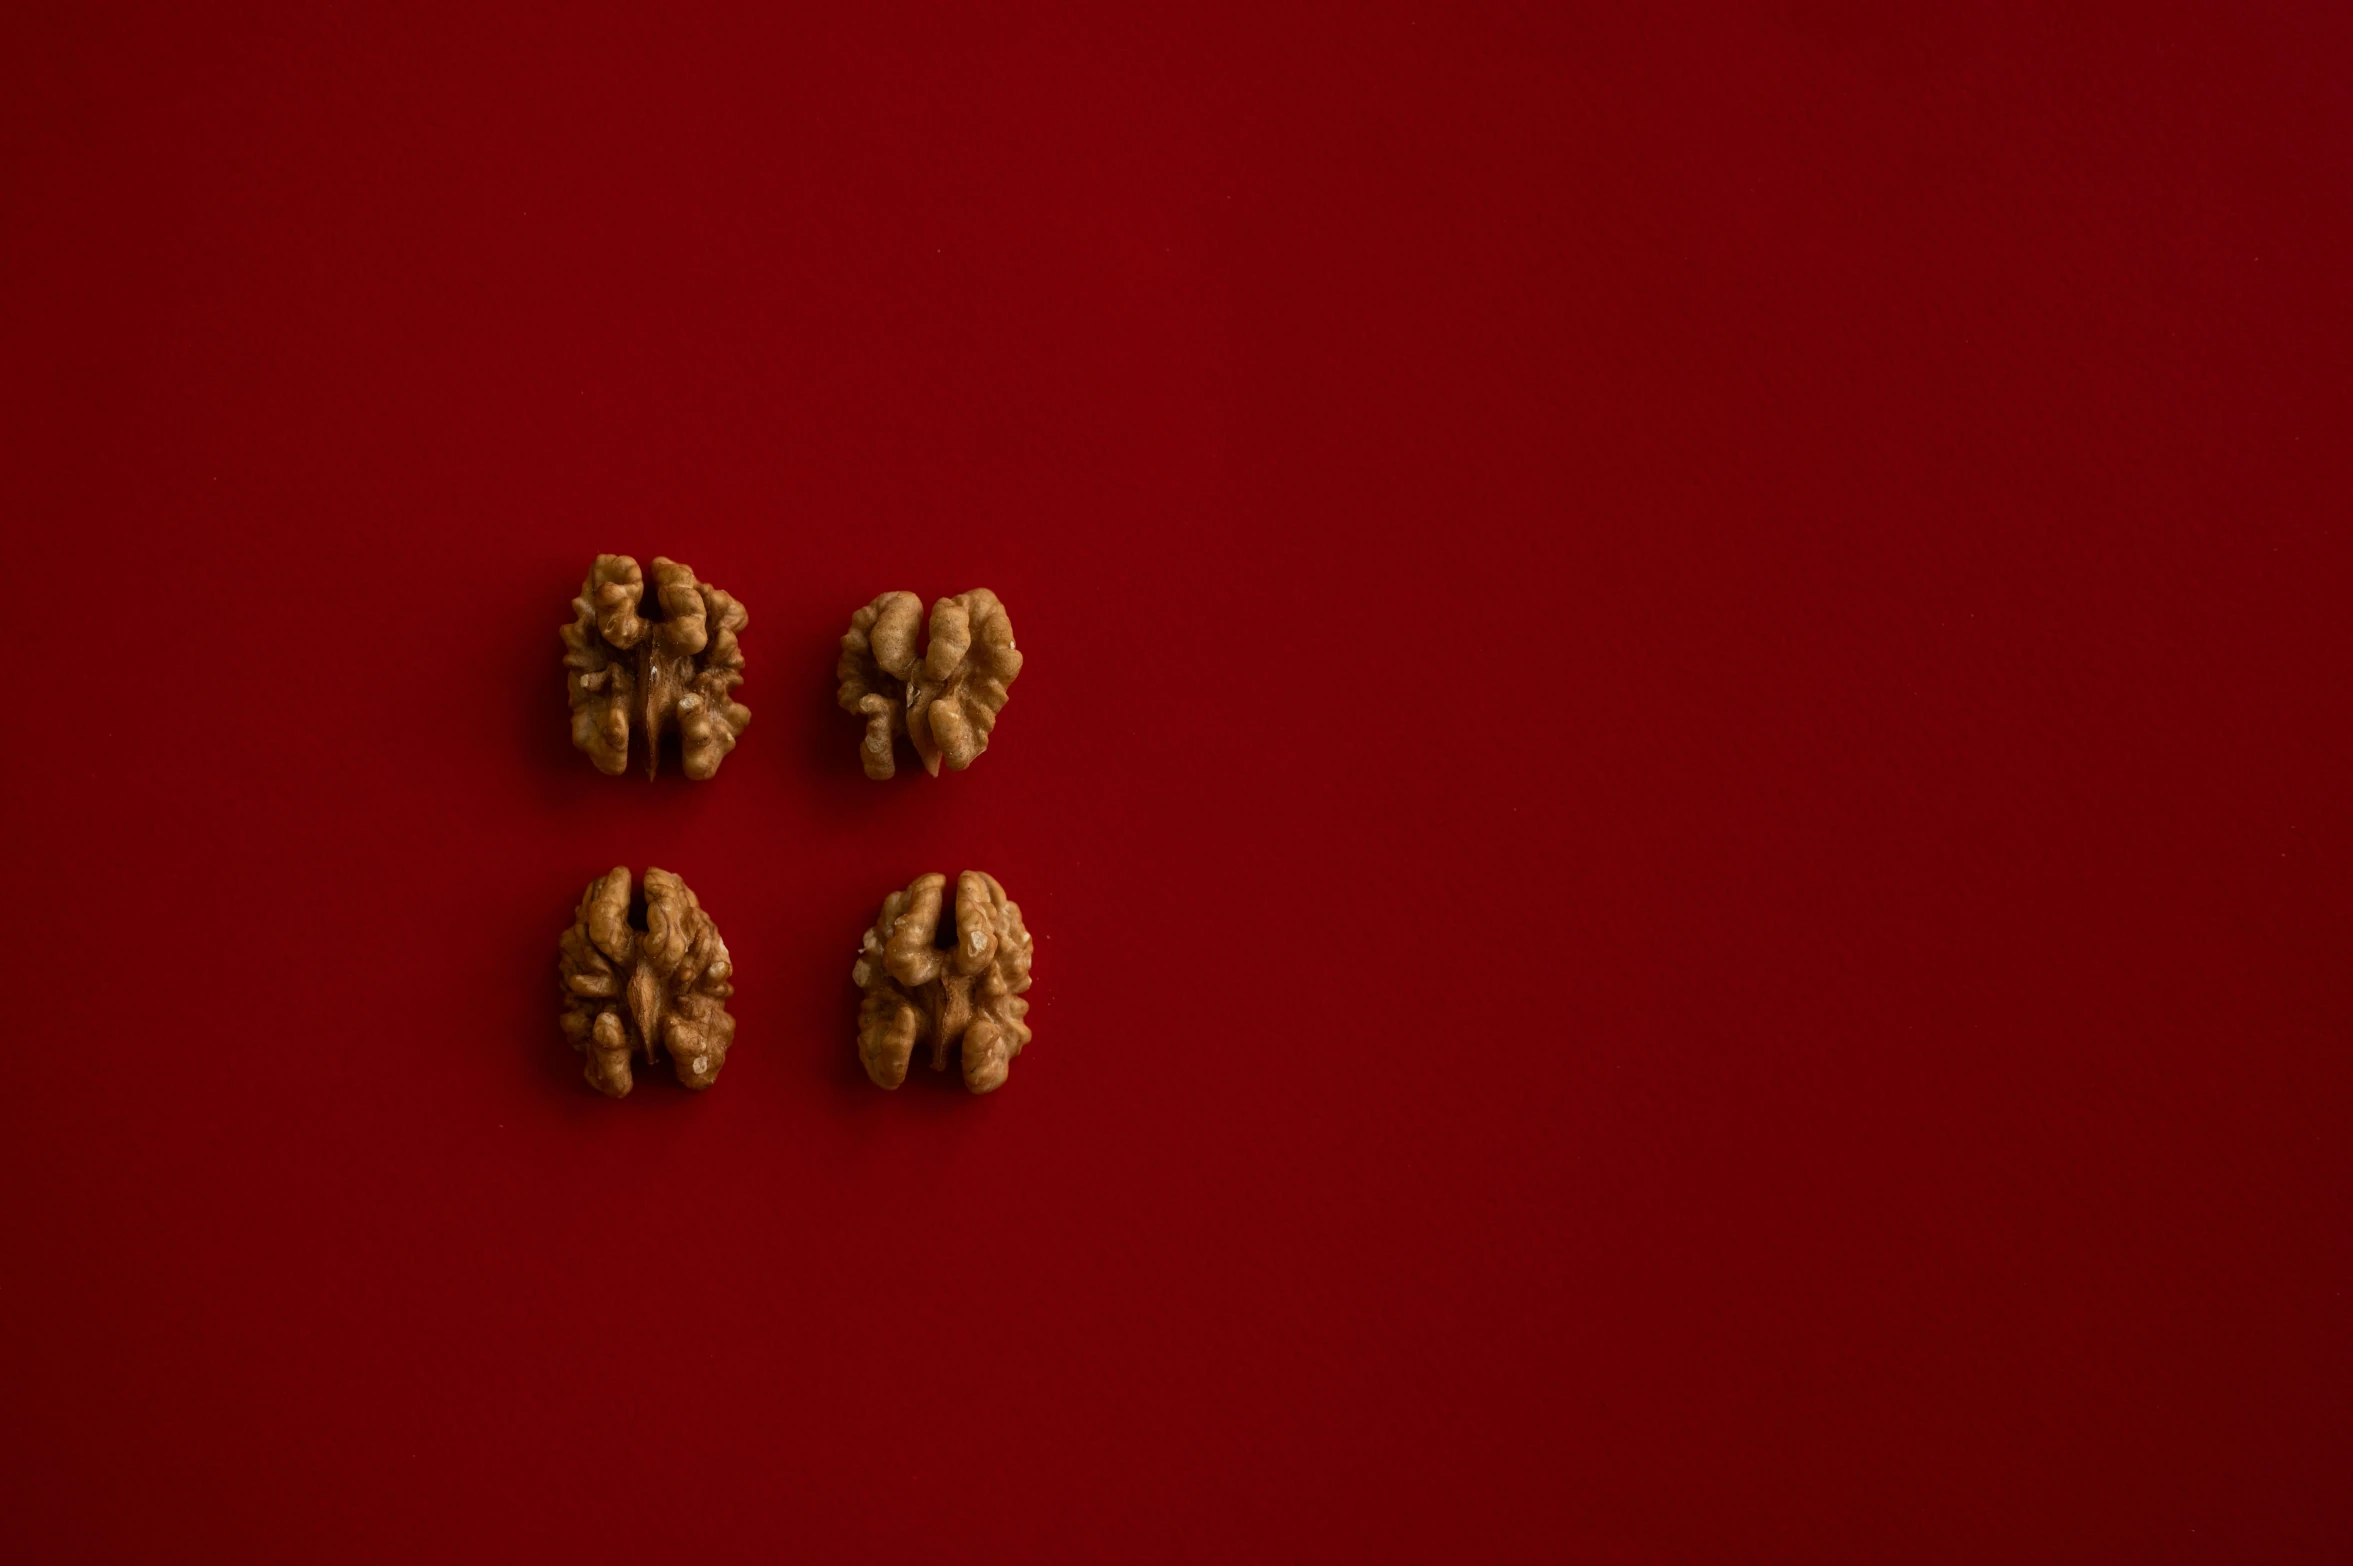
(645, 972)
(952, 976)
(631, 675)
(946, 703)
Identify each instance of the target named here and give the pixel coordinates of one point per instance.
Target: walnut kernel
(945, 702)
(954, 980)
(640, 972)
(626, 672)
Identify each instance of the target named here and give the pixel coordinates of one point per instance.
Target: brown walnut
(643, 972)
(947, 701)
(953, 976)
(630, 675)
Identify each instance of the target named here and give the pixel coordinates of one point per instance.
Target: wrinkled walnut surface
(947, 701)
(638, 973)
(952, 980)
(634, 675)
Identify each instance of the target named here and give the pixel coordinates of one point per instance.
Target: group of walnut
(643, 970)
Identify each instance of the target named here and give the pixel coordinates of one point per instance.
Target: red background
(1682, 775)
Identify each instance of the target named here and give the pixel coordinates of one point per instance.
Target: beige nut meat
(947, 701)
(631, 674)
(949, 975)
(643, 972)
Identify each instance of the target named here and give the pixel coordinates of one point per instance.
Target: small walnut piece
(641, 972)
(947, 701)
(949, 975)
(630, 673)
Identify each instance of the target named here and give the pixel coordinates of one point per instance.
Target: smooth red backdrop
(1683, 779)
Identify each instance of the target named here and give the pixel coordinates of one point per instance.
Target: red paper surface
(1682, 780)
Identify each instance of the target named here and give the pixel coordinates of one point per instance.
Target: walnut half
(637, 972)
(950, 975)
(947, 701)
(626, 671)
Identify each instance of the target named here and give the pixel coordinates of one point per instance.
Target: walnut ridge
(645, 972)
(947, 701)
(631, 675)
(955, 980)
